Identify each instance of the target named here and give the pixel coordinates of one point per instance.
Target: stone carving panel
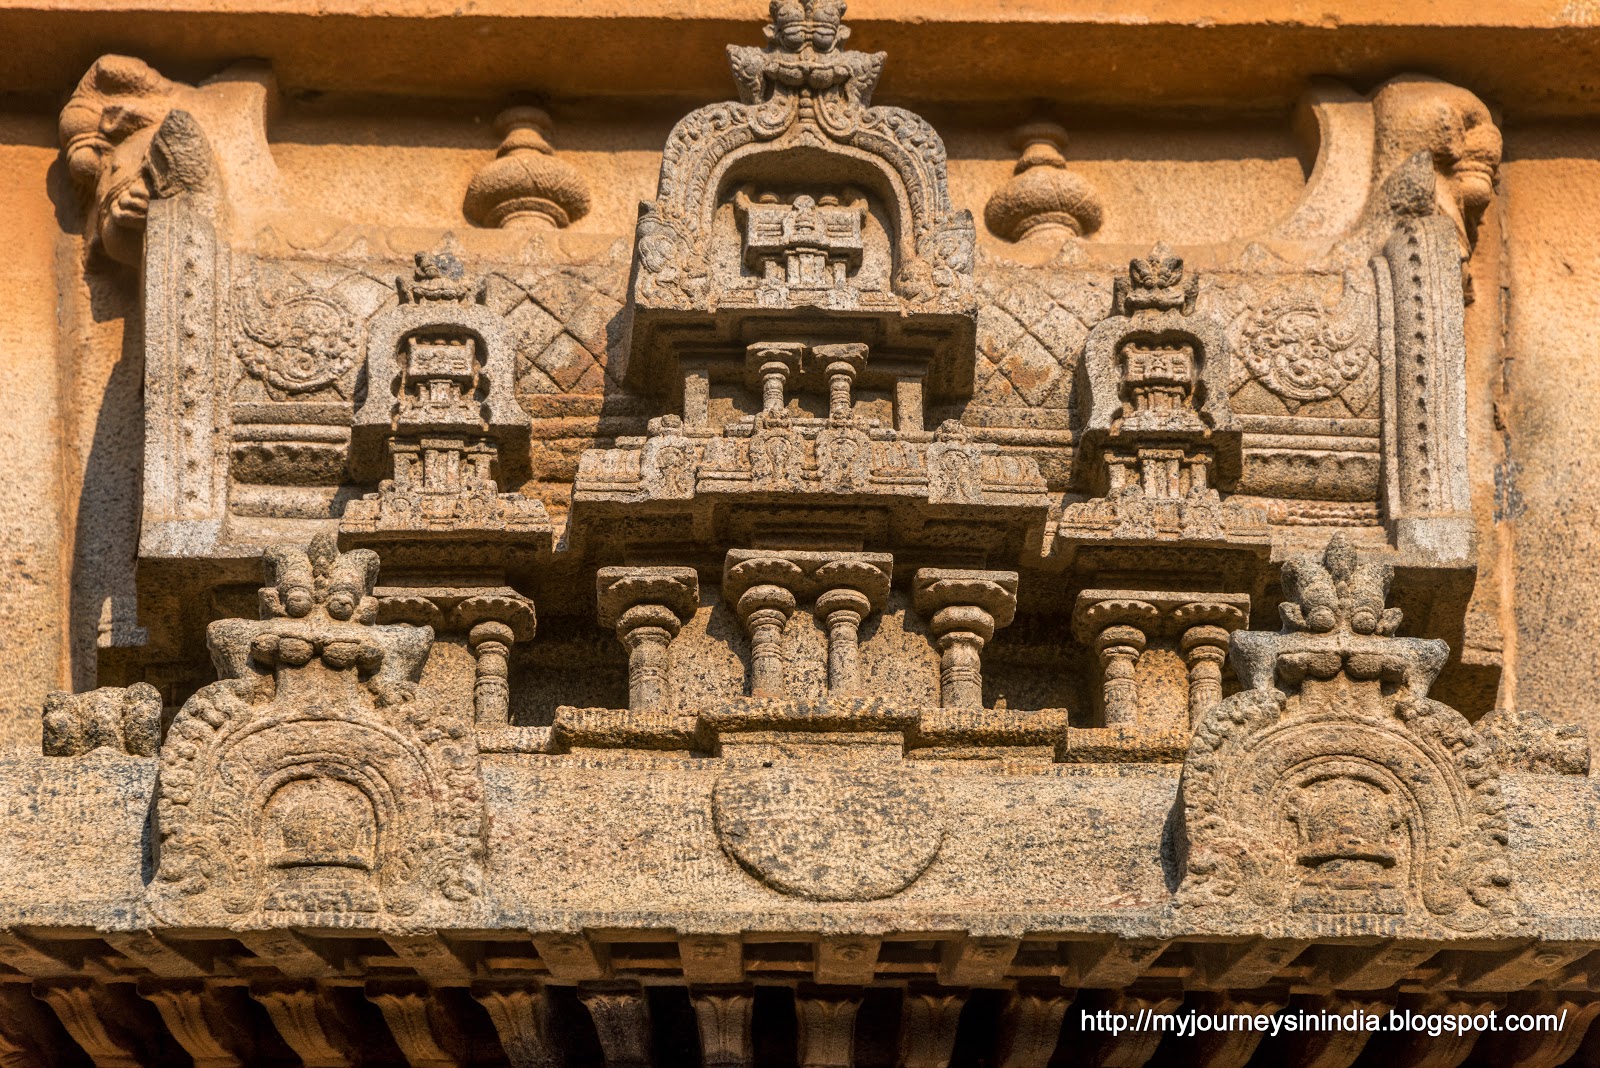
(1302, 353)
(314, 783)
(1331, 783)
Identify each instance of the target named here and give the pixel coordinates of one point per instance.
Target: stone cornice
(1200, 53)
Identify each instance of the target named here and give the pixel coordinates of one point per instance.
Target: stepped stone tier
(524, 545)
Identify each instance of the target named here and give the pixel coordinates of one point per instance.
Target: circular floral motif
(295, 339)
(1292, 349)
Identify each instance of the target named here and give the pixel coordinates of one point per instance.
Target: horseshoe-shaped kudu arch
(520, 550)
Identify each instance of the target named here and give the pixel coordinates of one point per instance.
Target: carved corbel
(928, 1022)
(646, 606)
(309, 1022)
(963, 610)
(526, 185)
(827, 1024)
(421, 1026)
(521, 1016)
(621, 1016)
(724, 1025)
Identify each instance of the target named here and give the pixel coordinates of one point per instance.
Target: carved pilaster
(491, 687)
(493, 619)
(647, 606)
(1118, 628)
(772, 364)
(494, 623)
(764, 608)
(964, 609)
(1204, 627)
(1333, 1048)
(1231, 1048)
(1119, 625)
(840, 366)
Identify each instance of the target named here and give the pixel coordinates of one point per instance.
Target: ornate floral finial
(1042, 196)
(1338, 591)
(438, 278)
(804, 57)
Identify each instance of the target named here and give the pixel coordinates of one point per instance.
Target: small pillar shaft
(491, 688)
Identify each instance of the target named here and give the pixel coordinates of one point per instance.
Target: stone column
(1118, 628)
(852, 587)
(494, 623)
(1119, 648)
(841, 611)
(1205, 627)
(840, 365)
(647, 606)
(761, 590)
(1119, 625)
(491, 690)
(964, 609)
(772, 364)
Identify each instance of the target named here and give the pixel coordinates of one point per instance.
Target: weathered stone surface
(814, 626)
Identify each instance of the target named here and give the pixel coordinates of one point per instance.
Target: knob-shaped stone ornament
(1043, 196)
(527, 184)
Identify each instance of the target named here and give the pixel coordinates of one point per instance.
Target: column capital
(1157, 612)
(935, 589)
(773, 357)
(848, 358)
(618, 590)
(807, 574)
